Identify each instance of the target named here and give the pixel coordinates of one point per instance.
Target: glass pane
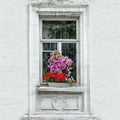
(46, 56)
(69, 49)
(49, 46)
(59, 30)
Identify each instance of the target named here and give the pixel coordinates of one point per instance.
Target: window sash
(59, 19)
(59, 48)
(58, 29)
(60, 41)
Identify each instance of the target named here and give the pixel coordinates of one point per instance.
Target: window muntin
(59, 29)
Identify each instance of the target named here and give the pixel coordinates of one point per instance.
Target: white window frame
(59, 43)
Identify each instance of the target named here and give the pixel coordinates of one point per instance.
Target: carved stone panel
(59, 103)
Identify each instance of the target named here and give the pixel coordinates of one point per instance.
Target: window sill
(80, 89)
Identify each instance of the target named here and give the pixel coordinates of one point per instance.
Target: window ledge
(60, 90)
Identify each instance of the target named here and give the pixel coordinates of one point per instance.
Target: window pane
(59, 30)
(46, 56)
(49, 46)
(69, 49)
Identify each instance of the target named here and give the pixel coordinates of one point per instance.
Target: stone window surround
(80, 11)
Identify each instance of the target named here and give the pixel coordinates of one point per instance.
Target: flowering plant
(60, 67)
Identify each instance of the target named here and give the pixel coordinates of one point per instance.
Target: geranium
(55, 77)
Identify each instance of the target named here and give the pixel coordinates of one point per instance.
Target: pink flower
(69, 62)
(57, 62)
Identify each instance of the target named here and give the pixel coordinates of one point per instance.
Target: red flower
(58, 77)
(49, 74)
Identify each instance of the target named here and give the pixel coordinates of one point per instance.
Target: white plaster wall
(104, 35)
(105, 58)
(13, 59)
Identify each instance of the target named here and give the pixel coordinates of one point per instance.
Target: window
(62, 35)
(65, 28)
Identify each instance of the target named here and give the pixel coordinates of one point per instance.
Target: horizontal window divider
(47, 50)
(58, 40)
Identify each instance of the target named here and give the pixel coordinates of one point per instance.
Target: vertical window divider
(40, 50)
(41, 61)
(60, 47)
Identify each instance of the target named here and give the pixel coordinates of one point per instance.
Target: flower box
(60, 85)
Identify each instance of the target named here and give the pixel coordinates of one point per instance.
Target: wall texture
(105, 56)
(104, 36)
(13, 59)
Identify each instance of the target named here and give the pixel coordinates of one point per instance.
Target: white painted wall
(104, 35)
(105, 58)
(13, 59)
